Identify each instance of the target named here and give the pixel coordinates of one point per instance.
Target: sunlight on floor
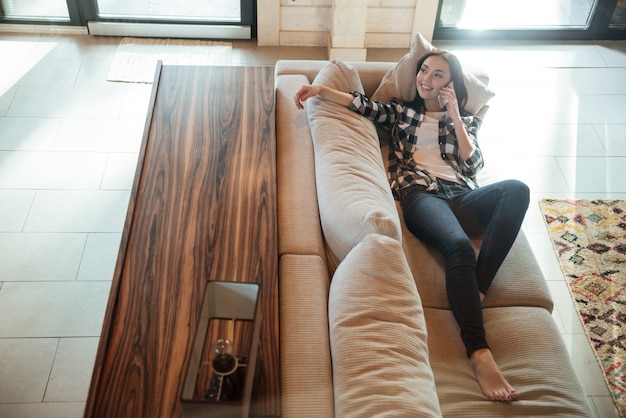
(29, 54)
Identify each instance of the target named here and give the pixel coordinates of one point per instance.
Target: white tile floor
(69, 141)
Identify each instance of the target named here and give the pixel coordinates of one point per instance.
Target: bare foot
(491, 380)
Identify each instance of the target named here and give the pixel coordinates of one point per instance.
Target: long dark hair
(456, 73)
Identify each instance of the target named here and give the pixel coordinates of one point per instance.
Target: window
(531, 19)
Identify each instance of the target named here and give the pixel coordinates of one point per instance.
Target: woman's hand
(452, 105)
(306, 91)
(309, 90)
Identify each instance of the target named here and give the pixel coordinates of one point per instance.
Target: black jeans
(446, 219)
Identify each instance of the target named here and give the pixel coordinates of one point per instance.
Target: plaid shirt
(404, 123)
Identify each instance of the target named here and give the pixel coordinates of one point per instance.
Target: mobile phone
(442, 100)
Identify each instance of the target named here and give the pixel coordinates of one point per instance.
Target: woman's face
(434, 74)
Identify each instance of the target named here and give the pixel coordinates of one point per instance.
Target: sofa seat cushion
(519, 282)
(305, 366)
(378, 336)
(353, 193)
(528, 349)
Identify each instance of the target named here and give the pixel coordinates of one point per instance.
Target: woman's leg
(496, 211)
(491, 380)
(429, 217)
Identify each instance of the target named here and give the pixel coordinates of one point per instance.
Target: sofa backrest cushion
(299, 229)
(399, 82)
(370, 72)
(353, 193)
(378, 336)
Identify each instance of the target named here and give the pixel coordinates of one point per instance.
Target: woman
(433, 161)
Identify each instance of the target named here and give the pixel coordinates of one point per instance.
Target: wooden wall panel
(292, 24)
(305, 19)
(387, 20)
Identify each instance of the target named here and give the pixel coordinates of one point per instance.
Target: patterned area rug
(589, 237)
(136, 58)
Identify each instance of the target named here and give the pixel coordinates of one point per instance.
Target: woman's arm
(309, 90)
(470, 162)
(379, 113)
(466, 145)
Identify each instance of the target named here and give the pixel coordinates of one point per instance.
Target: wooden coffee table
(202, 207)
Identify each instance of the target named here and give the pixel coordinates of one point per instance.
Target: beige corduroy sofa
(365, 326)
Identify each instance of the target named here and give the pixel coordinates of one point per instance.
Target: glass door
(617, 23)
(232, 19)
(618, 18)
(531, 19)
(226, 19)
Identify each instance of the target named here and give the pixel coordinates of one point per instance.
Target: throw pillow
(378, 336)
(353, 192)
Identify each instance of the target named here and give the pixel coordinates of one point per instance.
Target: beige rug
(589, 237)
(136, 58)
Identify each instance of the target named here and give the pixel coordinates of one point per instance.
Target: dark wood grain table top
(203, 207)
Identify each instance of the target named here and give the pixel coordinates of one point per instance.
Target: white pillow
(378, 336)
(399, 82)
(353, 192)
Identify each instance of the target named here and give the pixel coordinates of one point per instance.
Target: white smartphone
(443, 101)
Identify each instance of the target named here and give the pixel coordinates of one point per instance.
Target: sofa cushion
(305, 364)
(353, 193)
(427, 265)
(399, 82)
(370, 72)
(377, 335)
(529, 350)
